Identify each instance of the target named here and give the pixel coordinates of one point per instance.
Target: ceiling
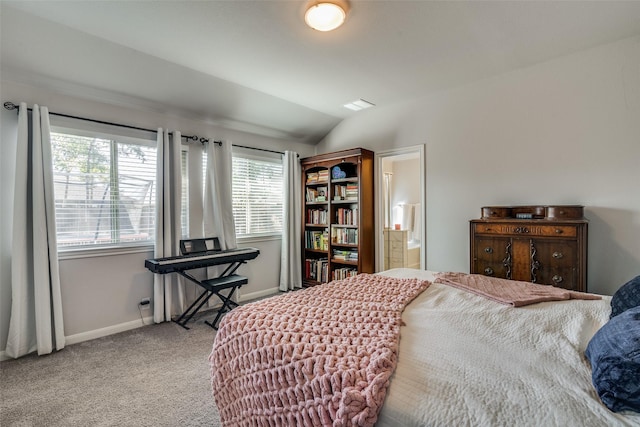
(255, 66)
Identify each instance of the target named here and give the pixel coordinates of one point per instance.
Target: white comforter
(467, 361)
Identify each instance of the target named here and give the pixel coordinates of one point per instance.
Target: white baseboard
(122, 327)
(258, 294)
(109, 330)
(98, 333)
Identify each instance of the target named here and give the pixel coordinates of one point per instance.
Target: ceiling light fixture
(325, 15)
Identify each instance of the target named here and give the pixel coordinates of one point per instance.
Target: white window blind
(257, 194)
(104, 189)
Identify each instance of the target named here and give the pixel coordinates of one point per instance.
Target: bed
(462, 359)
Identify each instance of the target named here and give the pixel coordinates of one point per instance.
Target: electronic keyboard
(199, 260)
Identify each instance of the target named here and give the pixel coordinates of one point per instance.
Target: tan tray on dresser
(534, 212)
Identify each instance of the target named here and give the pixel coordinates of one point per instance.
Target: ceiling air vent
(358, 105)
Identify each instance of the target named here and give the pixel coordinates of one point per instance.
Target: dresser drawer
(553, 262)
(492, 257)
(527, 229)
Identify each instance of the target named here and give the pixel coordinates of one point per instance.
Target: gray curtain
(291, 255)
(36, 322)
(218, 200)
(168, 290)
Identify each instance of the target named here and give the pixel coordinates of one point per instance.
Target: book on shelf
(312, 177)
(344, 255)
(317, 239)
(347, 216)
(317, 216)
(316, 269)
(344, 236)
(351, 192)
(318, 177)
(343, 273)
(318, 194)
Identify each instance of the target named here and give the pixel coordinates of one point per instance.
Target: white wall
(100, 295)
(561, 132)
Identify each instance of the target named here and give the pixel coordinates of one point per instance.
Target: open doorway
(400, 210)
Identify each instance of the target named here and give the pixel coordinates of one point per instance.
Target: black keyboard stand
(226, 280)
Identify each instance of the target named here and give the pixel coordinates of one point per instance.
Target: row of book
(318, 194)
(343, 273)
(316, 239)
(316, 269)
(346, 192)
(346, 216)
(345, 255)
(317, 216)
(344, 235)
(320, 176)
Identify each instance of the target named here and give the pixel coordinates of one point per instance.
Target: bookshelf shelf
(338, 211)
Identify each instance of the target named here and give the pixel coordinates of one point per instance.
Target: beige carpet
(156, 375)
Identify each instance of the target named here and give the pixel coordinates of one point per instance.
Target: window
(257, 193)
(104, 189)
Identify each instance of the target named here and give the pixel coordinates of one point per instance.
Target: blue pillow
(628, 296)
(614, 353)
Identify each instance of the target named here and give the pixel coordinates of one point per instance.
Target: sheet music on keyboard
(207, 244)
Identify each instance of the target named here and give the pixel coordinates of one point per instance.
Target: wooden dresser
(396, 249)
(539, 244)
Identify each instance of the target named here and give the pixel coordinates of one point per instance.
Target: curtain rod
(248, 148)
(202, 140)
(12, 106)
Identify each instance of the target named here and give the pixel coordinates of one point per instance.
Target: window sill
(256, 239)
(100, 252)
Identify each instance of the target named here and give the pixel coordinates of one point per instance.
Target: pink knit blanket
(512, 292)
(318, 356)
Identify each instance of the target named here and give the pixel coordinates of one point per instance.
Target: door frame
(379, 222)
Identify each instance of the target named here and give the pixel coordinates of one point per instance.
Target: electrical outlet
(144, 302)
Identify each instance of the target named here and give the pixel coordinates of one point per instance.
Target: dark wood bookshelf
(340, 183)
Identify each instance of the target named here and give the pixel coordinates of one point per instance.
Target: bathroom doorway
(400, 210)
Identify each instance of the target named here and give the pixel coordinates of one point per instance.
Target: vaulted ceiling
(255, 66)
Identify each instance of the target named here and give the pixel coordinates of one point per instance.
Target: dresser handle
(488, 271)
(521, 230)
(558, 231)
(556, 279)
(488, 250)
(557, 255)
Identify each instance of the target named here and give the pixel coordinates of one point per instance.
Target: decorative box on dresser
(338, 215)
(539, 244)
